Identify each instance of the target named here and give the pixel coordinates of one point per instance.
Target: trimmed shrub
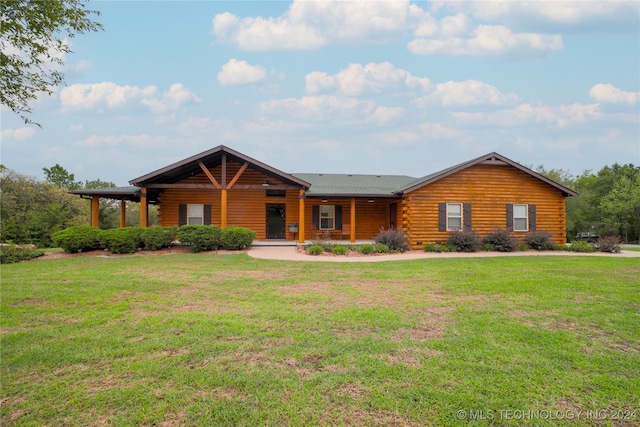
(464, 241)
(487, 247)
(200, 237)
(581, 246)
(501, 241)
(611, 244)
(10, 254)
(540, 241)
(122, 240)
(77, 239)
(315, 250)
(339, 250)
(394, 238)
(234, 238)
(367, 249)
(156, 237)
(381, 248)
(433, 247)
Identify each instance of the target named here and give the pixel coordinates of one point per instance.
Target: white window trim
(449, 228)
(189, 217)
(332, 216)
(525, 217)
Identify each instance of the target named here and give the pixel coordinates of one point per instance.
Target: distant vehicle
(587, 237)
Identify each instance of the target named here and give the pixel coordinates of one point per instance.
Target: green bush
(381, 248)
(581, 246)
(156, 237)
(77, 239)
(393, 238)
(501, 241)
(234, 238)
(433, 247)
(487, 247)
(315, 250)
(464, 241)
(540, 241)
(367, 249)
(122, 240)
(200, 237)
(10, 254)
(340, 250)
(611, 244)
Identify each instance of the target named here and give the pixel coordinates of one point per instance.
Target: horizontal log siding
(245, 208)
(370, 217)
(489, 188)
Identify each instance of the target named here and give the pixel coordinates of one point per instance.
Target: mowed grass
(221, 340)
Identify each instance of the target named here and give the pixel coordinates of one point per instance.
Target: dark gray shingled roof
(327, 184)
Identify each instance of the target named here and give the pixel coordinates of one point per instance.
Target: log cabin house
(224, 187)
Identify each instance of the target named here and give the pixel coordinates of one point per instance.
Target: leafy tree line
(608, 202)
(32, 210)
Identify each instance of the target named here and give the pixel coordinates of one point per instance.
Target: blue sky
(341, 87)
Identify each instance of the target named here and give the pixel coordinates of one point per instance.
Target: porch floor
(307, 242)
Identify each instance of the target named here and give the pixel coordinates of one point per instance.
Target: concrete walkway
(290, 253)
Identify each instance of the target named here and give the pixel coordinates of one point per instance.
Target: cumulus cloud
(237, 72)
(371, 78)
(437, 131)
(487, 40)
(466, 93)
(313, 24)
(318, 107)
(526, 114)
(176, 97)
(19, 134)
(386, 115)
(611, 94)
(111, 95)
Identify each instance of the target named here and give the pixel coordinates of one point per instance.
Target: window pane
(195, 220)
(327, 216)
(455, 224)
(519, 211)
(520, 224)
(196, 210)
(454, 209)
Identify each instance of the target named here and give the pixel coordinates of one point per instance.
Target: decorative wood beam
(235, 178)
(353, 220)
(123, 213)
(95, 211)
(211, 187)
(144, 208)
(206, 172)
(224, 170)
(301, 218)
(223, 208)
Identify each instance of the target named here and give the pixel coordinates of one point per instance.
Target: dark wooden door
(276, 219)
(393, 215)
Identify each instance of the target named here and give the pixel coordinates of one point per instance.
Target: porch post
(301, 218)
(353, 220)
(223, 208)
(95, 211)
(123, 213)
(144, 209)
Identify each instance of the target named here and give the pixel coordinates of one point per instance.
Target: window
(327, 217)
(195, 214)
(454, 216)
(520, 218)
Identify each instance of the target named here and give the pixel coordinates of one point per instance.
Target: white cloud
(98, 94)
(469, 92)
(386, 115)
(526, 114)
(76, 128)
(437, 131)
(133, 141)
(19, 134)
(371, 78)
(177, 96)
(611, 94)
(318, 107)
(313, 24)
(487, 40)
(237, 72)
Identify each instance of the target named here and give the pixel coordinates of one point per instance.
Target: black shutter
(442, 217)
(467, 216)
(532, 217)
(182, 215)
(510, 217)
(338, 217)
(315, 216)
(207, 215)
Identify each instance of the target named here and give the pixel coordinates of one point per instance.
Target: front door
(276, 218)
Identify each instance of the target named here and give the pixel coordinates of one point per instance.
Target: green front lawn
(201, 339)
